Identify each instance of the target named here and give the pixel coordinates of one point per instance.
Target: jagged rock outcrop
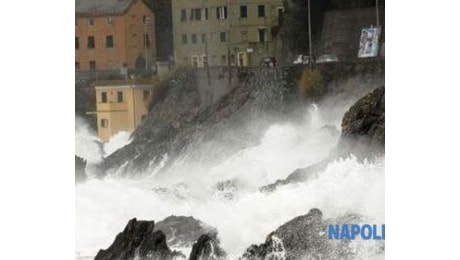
(299, 175)
(183, 231)
(207, 248)
(363, 135)
(305, 237)
(80, 165)
(138, 241)
(363, 127)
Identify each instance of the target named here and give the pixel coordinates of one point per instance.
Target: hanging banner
(369, 42)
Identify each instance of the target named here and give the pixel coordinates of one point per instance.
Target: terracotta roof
(99, 7)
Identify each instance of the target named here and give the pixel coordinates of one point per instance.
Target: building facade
(110, 34)
(342, 31)
(121, 108)
(224, 32)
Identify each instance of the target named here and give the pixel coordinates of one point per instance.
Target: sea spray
(346, 185)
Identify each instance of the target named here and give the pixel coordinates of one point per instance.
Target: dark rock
(305, 237)
(183, 231)
(299, 175)
(138, 241)
(80, 166)
(363, 127)
(207, 248)
(302, 236)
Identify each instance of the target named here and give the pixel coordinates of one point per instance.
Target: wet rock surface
(80, 165)
(305, 237)
(183, 231)
(207, 248)
(138, 241)
(363, 127)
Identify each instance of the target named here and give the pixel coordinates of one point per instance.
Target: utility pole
(310, 61)
(377, 12)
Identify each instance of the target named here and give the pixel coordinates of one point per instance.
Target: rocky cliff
(138, 241)
(363, 127)
(80, 166)
(182, 231)
(305, 237)
(177, 119)
(146, 241)
(363, 136)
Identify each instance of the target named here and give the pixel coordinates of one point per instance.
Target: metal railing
(102, 75)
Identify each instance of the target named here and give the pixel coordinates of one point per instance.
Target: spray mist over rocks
(223, 191)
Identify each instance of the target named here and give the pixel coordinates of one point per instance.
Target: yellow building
(121, 107)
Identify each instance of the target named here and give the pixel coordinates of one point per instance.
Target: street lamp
(310, 63)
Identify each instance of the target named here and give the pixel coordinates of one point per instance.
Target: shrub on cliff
(310, 84)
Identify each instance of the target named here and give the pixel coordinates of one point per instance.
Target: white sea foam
(103, 207)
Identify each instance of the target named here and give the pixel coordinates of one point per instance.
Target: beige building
(223, 31)
(121, 107)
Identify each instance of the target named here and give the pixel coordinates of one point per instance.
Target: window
(104, 97)
(183, 15)
(194, 38)
(206, 14)
(92, 65)
(244, 35)
(146, 40)
(203, 38)
(184, 38)
(146, 95)
(104, 123)
(145, 20)
(90, 21)
(108, 20)
(224, 59)
(77, 65)
(280, 15)
(120, 96)
(77, 43)
(195, 14)
(195, 61)
(109, 41)
(223, 37)
(261, 10)
(91, 44)
(280, 12)
(222, 12)
(243, 11)
(262, 35)
(205, 60)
